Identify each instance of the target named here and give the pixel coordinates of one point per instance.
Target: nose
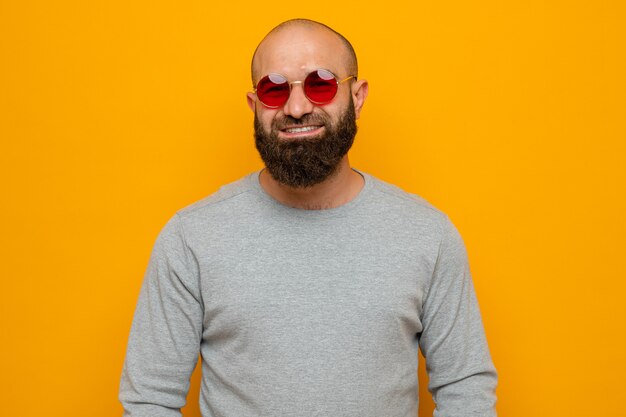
(297, 105)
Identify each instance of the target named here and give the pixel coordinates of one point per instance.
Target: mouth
(301, 131)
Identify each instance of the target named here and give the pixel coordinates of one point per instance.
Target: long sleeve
(166, 332)
(462, 377)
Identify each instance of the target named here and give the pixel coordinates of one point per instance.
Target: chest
(300, 280)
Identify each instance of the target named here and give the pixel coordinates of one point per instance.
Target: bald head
(309, 28)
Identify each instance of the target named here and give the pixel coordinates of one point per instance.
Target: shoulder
(224, 199)
(411, 211)
(217, 215)
(394, 197)
(220, 211)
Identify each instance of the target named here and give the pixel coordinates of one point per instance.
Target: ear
(251, 97)
(360, 90)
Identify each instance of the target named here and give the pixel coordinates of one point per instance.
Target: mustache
(307, 119)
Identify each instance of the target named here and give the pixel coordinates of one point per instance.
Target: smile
(301, 130)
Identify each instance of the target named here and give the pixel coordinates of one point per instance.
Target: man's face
(302, 143)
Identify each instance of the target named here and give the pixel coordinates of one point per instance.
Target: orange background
(509, 116)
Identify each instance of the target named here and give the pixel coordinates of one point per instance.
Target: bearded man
(308, 287)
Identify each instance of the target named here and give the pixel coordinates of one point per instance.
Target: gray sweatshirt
(308, 312)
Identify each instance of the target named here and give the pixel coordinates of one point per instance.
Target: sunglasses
(320, 87)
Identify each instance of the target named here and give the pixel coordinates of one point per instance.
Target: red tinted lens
(320, 86)
(273, 90)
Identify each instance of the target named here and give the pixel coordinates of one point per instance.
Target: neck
(337, 190)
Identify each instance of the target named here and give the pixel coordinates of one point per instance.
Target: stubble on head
(349, 55)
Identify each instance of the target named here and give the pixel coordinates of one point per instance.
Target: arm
(462, 378)
(166, 332)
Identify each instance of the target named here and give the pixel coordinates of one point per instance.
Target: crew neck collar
(255, 183)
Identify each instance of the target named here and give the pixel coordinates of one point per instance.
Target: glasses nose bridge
(299, 82)
(291, 83)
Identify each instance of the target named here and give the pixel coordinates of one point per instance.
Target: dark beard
(301, 163)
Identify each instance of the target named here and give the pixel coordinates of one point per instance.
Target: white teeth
(300, 129)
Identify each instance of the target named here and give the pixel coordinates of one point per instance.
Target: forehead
(296, 51)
